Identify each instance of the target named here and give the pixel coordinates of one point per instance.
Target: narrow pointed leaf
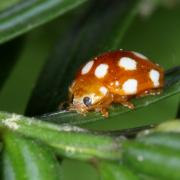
(178, 112)
(115, 171)
(5, 4)
(8, 60)
(164, 139)
(25, 159)
(169, 126)
(68, 141)
(27, 15)
(157, 161)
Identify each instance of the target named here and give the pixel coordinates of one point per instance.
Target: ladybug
(114, 77)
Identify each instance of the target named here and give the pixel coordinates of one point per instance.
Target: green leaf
(169, 126)
(73, 142)
(25, 159)
(178, 112)
(158, 147)
(68, 141)
(8, 60)
(5, 4)
(153, 160)
(109, 20)
(27, 15)
(172, 87)
(163, 139)
(115, 171)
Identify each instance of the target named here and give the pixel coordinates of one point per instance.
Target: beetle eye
(87, 101)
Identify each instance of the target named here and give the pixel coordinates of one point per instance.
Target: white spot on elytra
(87, 67)
(103, 90)
(140, 55)
(101, 70)
(130, 86)
(127, 63)
(154, 76)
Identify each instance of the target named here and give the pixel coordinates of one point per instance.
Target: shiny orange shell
(118, 75)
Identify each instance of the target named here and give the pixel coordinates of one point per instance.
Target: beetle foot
(104, 112)
(128, 104)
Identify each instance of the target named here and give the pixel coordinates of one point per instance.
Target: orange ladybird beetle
(114, 77)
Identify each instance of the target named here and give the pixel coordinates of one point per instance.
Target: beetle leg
(104, 112)
(104, 106)
(124, 100)
(128, 104)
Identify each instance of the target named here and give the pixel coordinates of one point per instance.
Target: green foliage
(25, 159)
(150, 159)
(34, 148)
(147, 151)
(113, 171)
(29, 14)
